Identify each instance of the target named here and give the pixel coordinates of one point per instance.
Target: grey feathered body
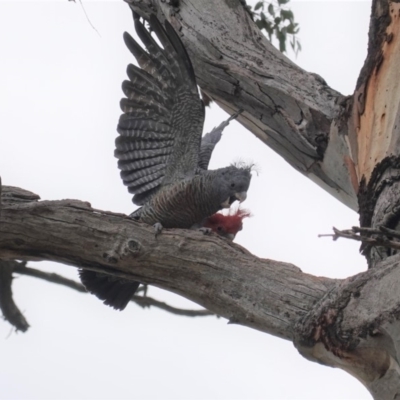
(186, 203)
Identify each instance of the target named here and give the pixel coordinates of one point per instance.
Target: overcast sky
(60, 86)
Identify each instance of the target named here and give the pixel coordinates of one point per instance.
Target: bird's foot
(205, 231)
(157, 228)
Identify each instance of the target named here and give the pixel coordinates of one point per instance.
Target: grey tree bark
(347, 145)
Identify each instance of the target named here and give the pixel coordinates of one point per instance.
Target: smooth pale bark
(291, 110)
(349, 146)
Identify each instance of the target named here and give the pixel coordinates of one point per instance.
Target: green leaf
(282, 45)
(272, 18)
(259, 5)
(269, 29)
(271, 9)
(292, 28)
(287, 14)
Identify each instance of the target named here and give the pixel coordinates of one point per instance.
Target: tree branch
(347, 324)
(363, 235)
(10, 311)
(50, 277)
(217, 274)
(291, 110)
(142, 301)
(145, 301)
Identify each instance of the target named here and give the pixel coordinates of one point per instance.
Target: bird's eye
(219, 228)
(232, 185)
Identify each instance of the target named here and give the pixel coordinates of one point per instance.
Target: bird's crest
(249, 166)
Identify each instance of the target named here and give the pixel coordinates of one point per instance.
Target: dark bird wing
(160, 129)
(210, 140)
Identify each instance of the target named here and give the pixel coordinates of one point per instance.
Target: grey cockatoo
(162, 158)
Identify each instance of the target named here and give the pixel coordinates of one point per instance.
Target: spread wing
(210, 140)
(162, 121)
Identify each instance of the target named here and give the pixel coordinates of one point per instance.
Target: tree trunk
(347, 145)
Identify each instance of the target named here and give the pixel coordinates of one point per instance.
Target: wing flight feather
(162, 121)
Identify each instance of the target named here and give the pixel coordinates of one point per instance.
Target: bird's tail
(113, 291)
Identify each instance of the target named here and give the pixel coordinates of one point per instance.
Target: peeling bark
(356, 328)
(378, 119)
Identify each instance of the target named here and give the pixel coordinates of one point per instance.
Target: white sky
(59, 105)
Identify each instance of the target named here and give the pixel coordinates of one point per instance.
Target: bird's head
(232, 184)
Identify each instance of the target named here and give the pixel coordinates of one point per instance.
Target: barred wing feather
(162, 121)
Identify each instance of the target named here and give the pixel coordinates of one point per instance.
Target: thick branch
(357, 328)
(351, 324)
(293, 111)
(217, 274)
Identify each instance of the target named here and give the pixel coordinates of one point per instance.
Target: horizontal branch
(142, 301)
(145, 301)
(348, 324)
(381, 236)
(217, 274)
(50, 277)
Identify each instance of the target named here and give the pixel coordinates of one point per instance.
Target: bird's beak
(242, 196)
(226, 203)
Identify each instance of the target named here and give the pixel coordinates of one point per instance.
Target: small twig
(360, 234)
(50, 277)
(87, 17)
(148, 302)
(235, 115)
(379, 231)
(366, 231)
(332, 235)
(10, 311)
(142, 301)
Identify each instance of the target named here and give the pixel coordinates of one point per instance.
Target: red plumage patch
(227, 224)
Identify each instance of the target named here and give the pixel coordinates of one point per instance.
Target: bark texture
(291, 110)
(347, 323)
(203, 268)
